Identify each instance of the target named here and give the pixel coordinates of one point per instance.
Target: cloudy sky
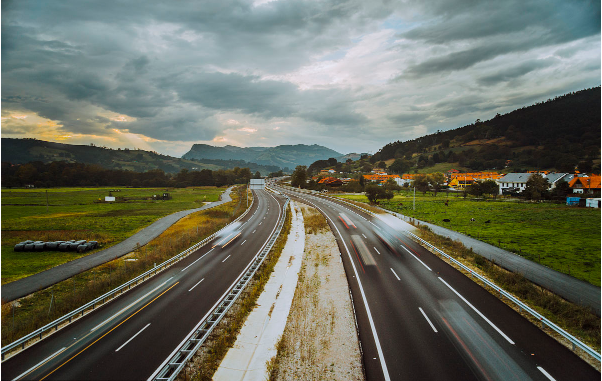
(350, 75)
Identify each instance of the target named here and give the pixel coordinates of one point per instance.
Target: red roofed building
(331, 181)
(585, 184)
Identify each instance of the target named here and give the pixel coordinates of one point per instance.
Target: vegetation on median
(76, 213)
(42, 307)
(564, 238)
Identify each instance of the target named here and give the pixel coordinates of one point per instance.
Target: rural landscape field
(81, 213)
(292, 190)
(558, 236)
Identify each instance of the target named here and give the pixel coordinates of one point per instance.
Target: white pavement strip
(132, 338)
(478, 312)
(40, 364)
(427, 319)
(226, 258)
(394, 273)
(256, 342)
(542, 370)
(199, 282)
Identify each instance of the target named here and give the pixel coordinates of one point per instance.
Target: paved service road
(41, 280)
(570, 288)
(421, 319)
(129, 338)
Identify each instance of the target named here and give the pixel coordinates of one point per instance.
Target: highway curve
(128, 339)
(421, 319)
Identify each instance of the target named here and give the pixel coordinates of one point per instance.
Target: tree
(362, 181)
(382, 165)
(537, 187)
(391, 185)
(299, 177)
(436, 180)
(490, 187)
(561, 190)
(374, 193)
(257, 175)
(399, 166)
(421, 183)
(475, 189)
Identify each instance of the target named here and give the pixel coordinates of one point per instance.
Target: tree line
(63, 174)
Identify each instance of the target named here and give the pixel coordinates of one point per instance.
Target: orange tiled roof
(592, 182)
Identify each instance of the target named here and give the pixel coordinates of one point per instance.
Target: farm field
(563, 238)
(75, 213)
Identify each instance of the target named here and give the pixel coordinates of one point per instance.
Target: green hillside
(561, 134)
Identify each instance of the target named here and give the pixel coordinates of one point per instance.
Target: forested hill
(20, 151)
(558, 134)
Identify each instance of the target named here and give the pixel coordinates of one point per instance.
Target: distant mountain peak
(286, 155)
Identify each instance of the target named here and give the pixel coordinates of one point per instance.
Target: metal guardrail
(199, 335)
(111, 295)
(522, 306)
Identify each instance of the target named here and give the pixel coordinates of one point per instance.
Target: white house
(518, 181)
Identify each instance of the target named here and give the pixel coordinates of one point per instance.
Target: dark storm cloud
(514, 72)
(495, 28)
(182, 68)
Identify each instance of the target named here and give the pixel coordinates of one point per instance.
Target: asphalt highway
(129, 338)
(421, 319)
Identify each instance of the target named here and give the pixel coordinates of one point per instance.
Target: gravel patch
(320, 339)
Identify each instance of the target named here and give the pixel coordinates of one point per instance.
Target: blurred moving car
(227, 235)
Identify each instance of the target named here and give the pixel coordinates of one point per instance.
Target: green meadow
(76, 213)
(564, 238)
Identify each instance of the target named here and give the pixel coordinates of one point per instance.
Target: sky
(352, 75)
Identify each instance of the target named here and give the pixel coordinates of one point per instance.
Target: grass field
(75, 213)
(564, 238)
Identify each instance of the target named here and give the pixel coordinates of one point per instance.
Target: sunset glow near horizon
(350, 75)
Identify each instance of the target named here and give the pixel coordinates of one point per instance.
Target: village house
(585, 185)
(517, 182)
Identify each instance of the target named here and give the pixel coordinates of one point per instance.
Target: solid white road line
(243, 242)
(131, 304)
(197, 260)
(364, 299)
(226, 258)
(40, 363)
(542, 370)
(364, 236)
(478, 312)
(132, 338)
(418, 259)
(427, 319)
(196, 284)
(378, 252)
(394, 273)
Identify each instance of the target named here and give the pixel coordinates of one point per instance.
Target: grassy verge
(223, 337)
(566, 239)
(75, 213)
(36, 310)
(577, 320)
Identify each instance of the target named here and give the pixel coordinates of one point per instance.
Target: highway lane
(130, 337)
(420, 319)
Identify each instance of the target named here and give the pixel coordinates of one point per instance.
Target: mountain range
(284, 156)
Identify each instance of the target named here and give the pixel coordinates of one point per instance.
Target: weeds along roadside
(27, 314)
(205, 363)
(579, 321)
